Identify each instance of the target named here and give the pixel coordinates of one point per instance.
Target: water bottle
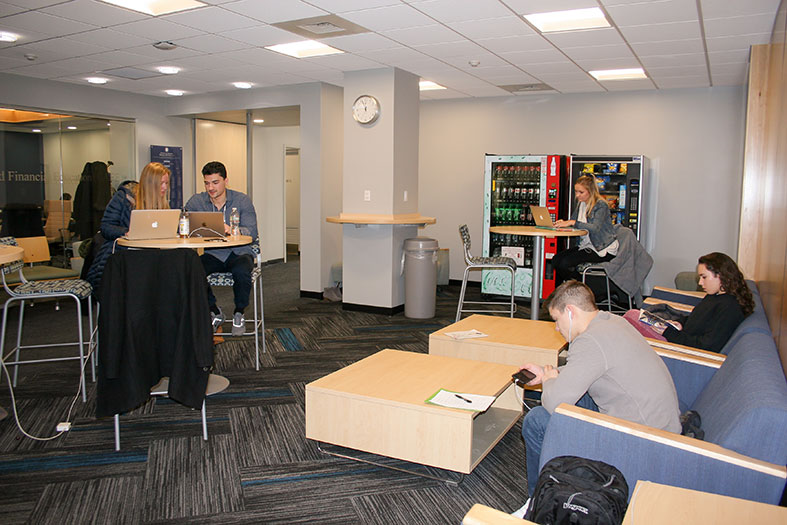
(183, 224)
(235, 223)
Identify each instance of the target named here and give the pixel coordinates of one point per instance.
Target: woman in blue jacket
(591, 214)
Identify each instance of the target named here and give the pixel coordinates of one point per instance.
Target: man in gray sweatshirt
(610, 368)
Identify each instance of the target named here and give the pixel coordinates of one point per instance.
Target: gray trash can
(420, 277)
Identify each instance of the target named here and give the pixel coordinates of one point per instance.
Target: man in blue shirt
(238, 260)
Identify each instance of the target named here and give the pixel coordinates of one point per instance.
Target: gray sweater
(613, 363)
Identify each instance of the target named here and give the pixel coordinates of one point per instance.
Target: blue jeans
(533, 428)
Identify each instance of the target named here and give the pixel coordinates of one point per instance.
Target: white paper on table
(466, 334)
(447, 398)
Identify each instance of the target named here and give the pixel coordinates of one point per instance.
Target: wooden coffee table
(377, 405)
(509, 341)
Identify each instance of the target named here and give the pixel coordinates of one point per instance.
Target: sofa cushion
(755, 322)
(744, 405)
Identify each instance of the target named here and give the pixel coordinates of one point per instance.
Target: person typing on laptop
(239, 261)
(151, 193)
(592, 214)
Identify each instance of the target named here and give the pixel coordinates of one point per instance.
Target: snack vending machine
(511, 184)
(620, 183)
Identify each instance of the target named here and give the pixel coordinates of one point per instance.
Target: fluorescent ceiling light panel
(618, 74)
(242, 85)
(8, 37)
(156, 7)
(259, 120)
(168, 70)
(428, 85)
(97, 80)
(572, 20)
(72, 127)
(36, 130)
(305, 49)
(174, 92)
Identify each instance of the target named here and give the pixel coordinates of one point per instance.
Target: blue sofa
(742, 399)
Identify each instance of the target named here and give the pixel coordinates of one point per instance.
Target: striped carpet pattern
(257, 466)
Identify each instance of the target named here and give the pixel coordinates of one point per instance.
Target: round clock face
(366, 109)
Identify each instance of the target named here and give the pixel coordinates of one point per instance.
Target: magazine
(657, 322)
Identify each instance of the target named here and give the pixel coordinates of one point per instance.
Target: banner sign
(172, 158)
(21, 168)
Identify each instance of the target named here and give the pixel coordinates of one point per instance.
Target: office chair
(499, 263)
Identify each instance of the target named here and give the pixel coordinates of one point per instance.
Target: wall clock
(366, 109)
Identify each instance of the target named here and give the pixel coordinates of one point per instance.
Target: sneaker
(522, 511)
(216, 319)
(238, 324)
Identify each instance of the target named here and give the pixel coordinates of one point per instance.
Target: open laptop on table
(208, 224)
(153, 224)
(543, 219)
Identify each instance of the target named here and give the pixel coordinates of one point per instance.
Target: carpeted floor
(257, 466)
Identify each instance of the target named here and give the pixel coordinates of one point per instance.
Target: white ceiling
(679, 43)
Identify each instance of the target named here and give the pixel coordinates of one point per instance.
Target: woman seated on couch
(712, 322)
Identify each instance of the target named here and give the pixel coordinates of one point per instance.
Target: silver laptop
(153, 224)
(206, 224)
(543, 219)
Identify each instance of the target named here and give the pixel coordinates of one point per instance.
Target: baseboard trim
(311, 295)
(470, 284)
(273, 261)
(373, 309)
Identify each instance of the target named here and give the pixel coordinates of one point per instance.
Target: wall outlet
(405, 195)
(367, 195)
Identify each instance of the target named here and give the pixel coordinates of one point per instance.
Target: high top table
(196, 243)
(538, 235)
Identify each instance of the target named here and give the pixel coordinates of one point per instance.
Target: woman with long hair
(712, 322)
(151, 193)
(592, 214)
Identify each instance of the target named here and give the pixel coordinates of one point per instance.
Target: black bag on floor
(575, 490)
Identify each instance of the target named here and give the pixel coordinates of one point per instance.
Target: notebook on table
(208, 224)
(543, 219)
(153, 224)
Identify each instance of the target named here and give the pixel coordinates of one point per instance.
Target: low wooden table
(377, 405)
(509, 341)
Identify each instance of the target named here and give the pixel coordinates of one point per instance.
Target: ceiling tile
(447, 11)
(599, 52)
(263, 36)
(66, 46)
(684, 81)
(573, 76)
(729, 69)
(156, 29)
(461, 48)
(729, 80)
(44, 53)
(212, 44)
(592, 64)
(676, 71)
(629, 85)
(360, 42)
(121, 58)
(738, 25)
(551, 67)
(395, 57)
(417, 36)
(344, 62)
(272, 11)
(694, 59)
(590, 37)
(525, 7)
(51, 70)
(260, 57)
(96, 13)
(110, 39)
(644, 49)
(8, 10)
(83, 65)
(212, 20)
(157, 54)
(11, 62)
(486, 60)
(728, 43)
(653, 12)
(725, 8)
(38, 22)
(506, 80)
(26, 36)
(493, 28)
(196, 63)
(580, 87)
(342, 6)
(486, 91)
(515, 43)
(661, 32)
(387, 18)
(533, 57)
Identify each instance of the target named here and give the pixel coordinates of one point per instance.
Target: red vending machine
(511, 184)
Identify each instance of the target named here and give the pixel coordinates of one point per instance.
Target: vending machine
(511, 184)
(620, 183)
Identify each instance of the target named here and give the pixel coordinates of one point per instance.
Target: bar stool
(499, 263)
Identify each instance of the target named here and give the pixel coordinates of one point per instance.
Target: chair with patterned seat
(258, 323)
(75, 289)
(492, 263)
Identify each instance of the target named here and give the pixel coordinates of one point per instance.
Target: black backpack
(576, 490)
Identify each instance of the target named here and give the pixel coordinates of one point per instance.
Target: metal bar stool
(600, 271)
(499, 263)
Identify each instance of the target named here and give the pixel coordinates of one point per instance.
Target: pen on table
(463, 398)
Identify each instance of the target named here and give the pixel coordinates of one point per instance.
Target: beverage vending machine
(620, 182)
(511, 184)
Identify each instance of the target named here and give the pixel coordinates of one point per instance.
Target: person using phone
(610, 368)
(591, 213)
(711, 323)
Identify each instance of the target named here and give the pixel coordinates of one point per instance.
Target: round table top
(537, 232)
(10, 253)
(191, 242)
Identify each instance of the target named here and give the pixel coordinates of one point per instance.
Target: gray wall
(693, 138)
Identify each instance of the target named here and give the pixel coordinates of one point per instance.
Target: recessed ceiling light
(8, 37)
(242, 85)
(574, 19)
(36, 130)
(156, 7)
(305, 49)
(428, 85)
(97, 80)
(259, 120)
(168, 70)
(618, 74)
(174, 92)
(72, 127)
